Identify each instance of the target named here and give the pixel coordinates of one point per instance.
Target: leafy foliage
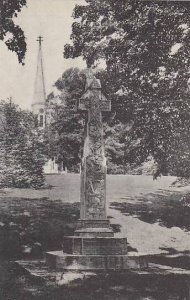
(146, 48)
(66, 126)
(22, 148)
(10, 33)
(65, 129)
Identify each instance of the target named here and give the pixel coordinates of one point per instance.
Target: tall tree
(64, 122)
(22, 148)
(66, 125)
(10, 33)
(146, 49)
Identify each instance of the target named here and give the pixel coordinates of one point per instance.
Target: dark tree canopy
(66, 127)
(10, 33)
(146, 48)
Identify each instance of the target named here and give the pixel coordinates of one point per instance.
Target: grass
(32, 222)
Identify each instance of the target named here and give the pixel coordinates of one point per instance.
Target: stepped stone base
(62, 261)
(94, 247)
(89, 245)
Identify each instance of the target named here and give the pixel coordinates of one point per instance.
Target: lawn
(152, 214)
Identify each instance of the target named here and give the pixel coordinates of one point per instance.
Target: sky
(52, 20)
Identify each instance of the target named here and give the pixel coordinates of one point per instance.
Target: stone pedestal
(94, 248)
(61, 262)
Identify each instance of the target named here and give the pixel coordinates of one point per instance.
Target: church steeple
(39, 99)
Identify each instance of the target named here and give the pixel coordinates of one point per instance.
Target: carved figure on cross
(97, 103)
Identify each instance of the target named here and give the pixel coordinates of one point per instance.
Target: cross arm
(84, 104)
(105, 105)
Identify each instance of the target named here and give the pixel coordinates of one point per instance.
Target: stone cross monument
(93, 245)
(93, 178)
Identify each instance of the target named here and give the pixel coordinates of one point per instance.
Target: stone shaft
(93, 177)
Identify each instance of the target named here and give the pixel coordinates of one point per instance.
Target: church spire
(39, 99)
(39, 89)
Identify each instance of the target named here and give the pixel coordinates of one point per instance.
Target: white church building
(39, 106)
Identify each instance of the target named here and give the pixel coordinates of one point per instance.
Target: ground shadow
(167, 209)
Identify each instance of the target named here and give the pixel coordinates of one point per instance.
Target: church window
(41, 123)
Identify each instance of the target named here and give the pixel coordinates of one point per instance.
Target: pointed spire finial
(89, 73)
(39, 88)
(91, 80)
